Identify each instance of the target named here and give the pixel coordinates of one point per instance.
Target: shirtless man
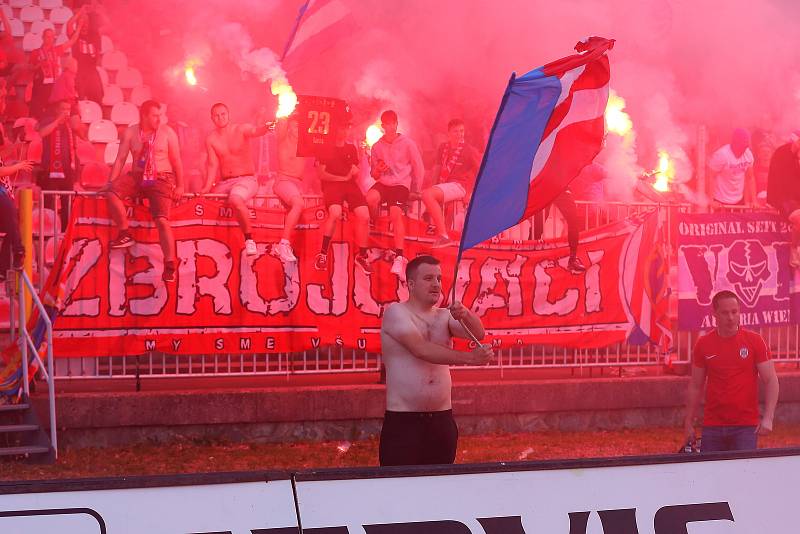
(228, 148)
(418, 427)
(288, 184)
(157, 175)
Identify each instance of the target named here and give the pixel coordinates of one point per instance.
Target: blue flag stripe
(501, 189)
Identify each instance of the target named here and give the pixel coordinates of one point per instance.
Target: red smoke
(677, 63)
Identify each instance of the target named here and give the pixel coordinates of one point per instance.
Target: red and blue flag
(549, 126)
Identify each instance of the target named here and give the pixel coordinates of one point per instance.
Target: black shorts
(341, 192)
(392, 195)
(418, 438)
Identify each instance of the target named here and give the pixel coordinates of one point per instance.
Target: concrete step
(19, 451)
(18, 428)
(14, 407)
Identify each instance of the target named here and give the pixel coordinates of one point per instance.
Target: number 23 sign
(319, 118)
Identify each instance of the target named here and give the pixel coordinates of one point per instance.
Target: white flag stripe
(329, 14)
(586, 105)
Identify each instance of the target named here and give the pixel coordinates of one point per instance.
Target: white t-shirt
(729, 174)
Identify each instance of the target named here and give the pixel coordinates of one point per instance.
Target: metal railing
(334, 359)
(26, 343)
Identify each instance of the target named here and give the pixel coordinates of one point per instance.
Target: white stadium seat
(110, 154)
(31, 14)
(114, 60)
(50, 4)
(111, 95)
(129, 78)
(106, 44)
(124, 113)
(103, 75)
(90, 111)
(20, 3)
(31, 42)
(50, 222)
(17, 28)
(39, 26)
(60, 15)
(140, 94)
(103, 131)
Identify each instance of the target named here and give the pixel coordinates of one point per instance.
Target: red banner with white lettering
(224, 301)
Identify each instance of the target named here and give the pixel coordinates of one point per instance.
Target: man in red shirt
(732, 359)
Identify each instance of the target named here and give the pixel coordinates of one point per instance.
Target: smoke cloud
(678, 63)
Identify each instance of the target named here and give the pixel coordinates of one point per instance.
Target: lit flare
(665, 172)
(617, 121)
(374, 133)
(287, 99)
(191, 78)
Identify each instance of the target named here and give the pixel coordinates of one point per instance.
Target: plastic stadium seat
(17, 28)
(111, 95)
(31, 14)
(140, 94)
(114, 60)
(31, 42)
(94, 175)
(60, 15)
(90, 111)
(106, 44)
(103, 131)
(110, 154)
(7, 10)
(50, 4)
(129, 78)
(124, 113)
(20, 3)
(50, 222)
(103, 75)
(39, 26)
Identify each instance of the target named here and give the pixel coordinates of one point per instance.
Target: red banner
(225, 301)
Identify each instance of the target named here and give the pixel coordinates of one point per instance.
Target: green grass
(190, 457)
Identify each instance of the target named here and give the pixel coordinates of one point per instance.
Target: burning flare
(617, 121)
(287, 99)
(665, 172)
(374, 133)
(188, 72)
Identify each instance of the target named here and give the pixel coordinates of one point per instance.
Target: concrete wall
(355, 412)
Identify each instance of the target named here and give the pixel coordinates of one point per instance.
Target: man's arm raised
(399, 326)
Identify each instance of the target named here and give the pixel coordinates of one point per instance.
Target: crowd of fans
(47, 86)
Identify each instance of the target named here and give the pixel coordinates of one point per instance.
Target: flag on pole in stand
(549, 126)
(319, 25)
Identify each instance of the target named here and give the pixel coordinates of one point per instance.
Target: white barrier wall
(660, 495)
(235, 508)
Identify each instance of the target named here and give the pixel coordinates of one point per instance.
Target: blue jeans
(728, 438)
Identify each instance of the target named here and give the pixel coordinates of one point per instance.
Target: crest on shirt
(743, 352)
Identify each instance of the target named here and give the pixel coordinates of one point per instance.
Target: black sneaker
(363, 262)
(123, 240)
(575, 266)
(321, 262)
(169, 272)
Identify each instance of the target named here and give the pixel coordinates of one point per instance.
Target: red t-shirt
(730, 364)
